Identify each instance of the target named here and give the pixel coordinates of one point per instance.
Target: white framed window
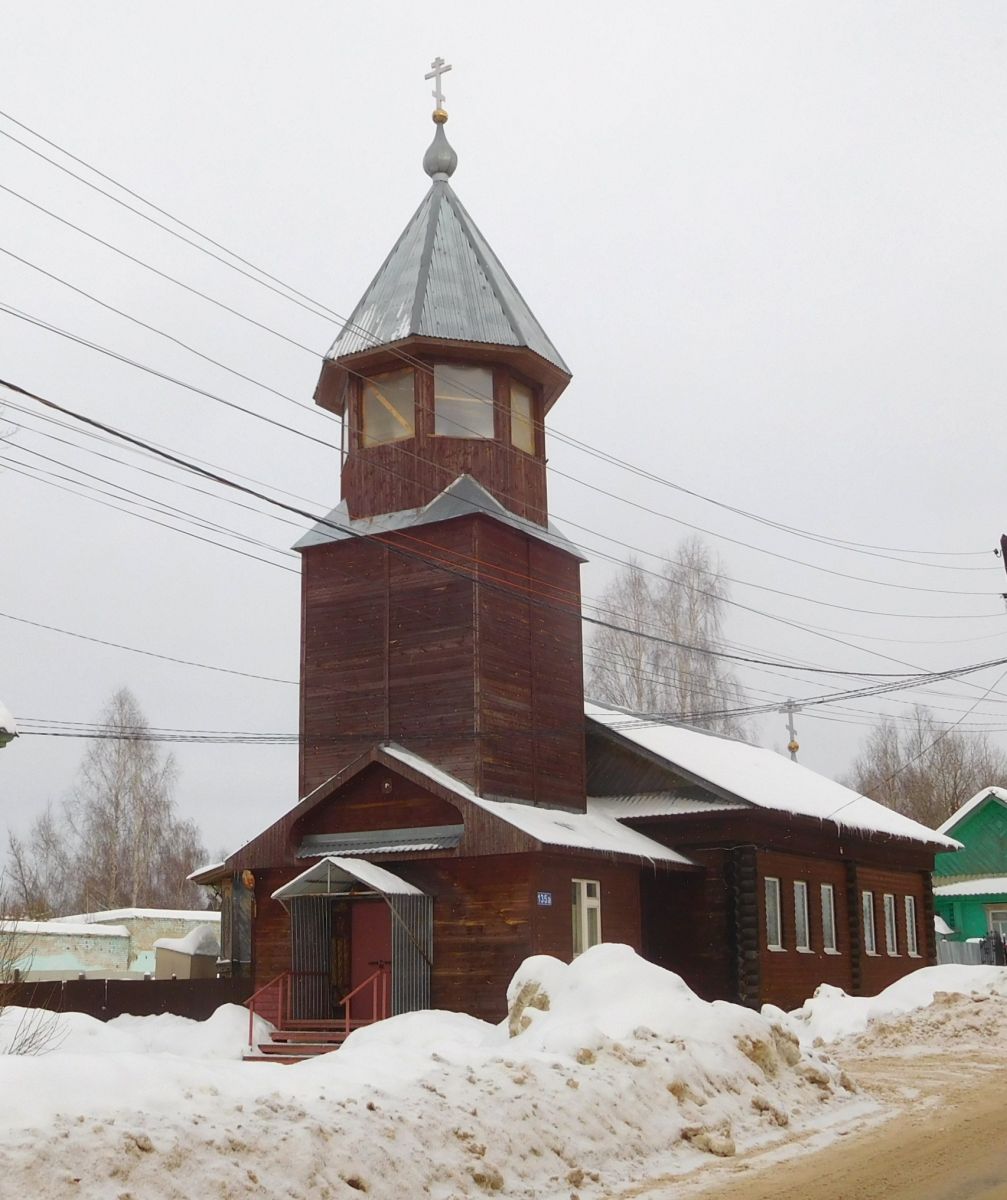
(463, 401)
(586, 911)
(891, 926)
(870, 940)
(802, 926)
(774, 923)
(912, 939)
(829, 942)
(996, 921)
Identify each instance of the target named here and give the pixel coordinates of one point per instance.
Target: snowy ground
(611, 1071)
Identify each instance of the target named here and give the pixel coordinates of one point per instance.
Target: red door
(370, 946)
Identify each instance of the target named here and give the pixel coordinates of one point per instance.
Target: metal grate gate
(412, 951)
(310, 946)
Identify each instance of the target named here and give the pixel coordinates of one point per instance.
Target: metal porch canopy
(332, 876)
(308, 898)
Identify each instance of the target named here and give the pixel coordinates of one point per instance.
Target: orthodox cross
(790, 708)
(440, 67)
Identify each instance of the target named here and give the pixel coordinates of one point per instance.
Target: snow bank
(204, 939)
(606, 1069)
(831, 1014)
(222, 1036)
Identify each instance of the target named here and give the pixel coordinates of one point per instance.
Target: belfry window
(388, 408)
(522, 409)
(463, 401)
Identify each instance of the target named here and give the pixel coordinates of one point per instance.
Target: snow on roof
(759, 776)
(983, 885)
(126, 914)
(997, 793)
(203, 939)
(593, 830)
(941, 926)
(206, 870)
(63, 927)
(318, 879)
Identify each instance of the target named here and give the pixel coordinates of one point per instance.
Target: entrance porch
(361, 950)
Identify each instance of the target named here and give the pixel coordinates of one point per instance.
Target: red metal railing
(379, 990)
(272, 1002)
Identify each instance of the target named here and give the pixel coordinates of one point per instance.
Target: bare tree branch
(682, 681)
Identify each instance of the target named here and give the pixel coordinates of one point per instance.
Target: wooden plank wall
(687, 924)
(487, 919)
(620, 902)
(789, 976)
(377, 798)
(463, 666)
(343, 655)
(412, 472)
(270, 927)
(482, 929)
(881, 969)
(530, 687)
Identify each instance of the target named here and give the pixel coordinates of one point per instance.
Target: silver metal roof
(660, 804)
(460, 499)
(381, 841)
(442, 280)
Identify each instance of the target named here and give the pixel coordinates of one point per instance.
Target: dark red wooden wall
(476, 667)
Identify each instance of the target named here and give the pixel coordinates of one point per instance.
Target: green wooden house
(970, 885)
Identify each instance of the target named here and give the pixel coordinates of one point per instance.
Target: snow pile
(605, 1070)
(204, 939)
(223, 1036)
(831, 1015)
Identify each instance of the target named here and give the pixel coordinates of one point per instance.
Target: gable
(614, 770)
(983, 834)
(377, 798)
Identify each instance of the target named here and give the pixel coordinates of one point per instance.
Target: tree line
(116, 841)
(915, 765)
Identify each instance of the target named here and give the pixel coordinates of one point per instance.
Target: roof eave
(336, 373)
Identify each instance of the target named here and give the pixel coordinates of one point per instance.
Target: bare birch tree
(924, 771)
(663, 663)
(117, 842)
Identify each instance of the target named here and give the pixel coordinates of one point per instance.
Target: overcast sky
(768, 239)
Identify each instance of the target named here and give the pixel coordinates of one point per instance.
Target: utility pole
(793, 745)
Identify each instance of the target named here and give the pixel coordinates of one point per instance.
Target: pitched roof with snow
(460, 499)
(441, 279)
(982, 885)
(987, 793)
(739, 771)
(126, 914)
(593, 830)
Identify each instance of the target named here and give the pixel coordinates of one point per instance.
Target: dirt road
(945, 1141)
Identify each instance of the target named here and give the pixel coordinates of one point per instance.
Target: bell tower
(440, 608)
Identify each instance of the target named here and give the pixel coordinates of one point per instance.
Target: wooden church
(461, 808)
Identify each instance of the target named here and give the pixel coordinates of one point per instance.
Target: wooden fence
(108, 998)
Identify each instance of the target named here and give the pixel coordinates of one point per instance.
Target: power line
(400, 551)
(21, 315)
(314, 306)
(187, 662)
